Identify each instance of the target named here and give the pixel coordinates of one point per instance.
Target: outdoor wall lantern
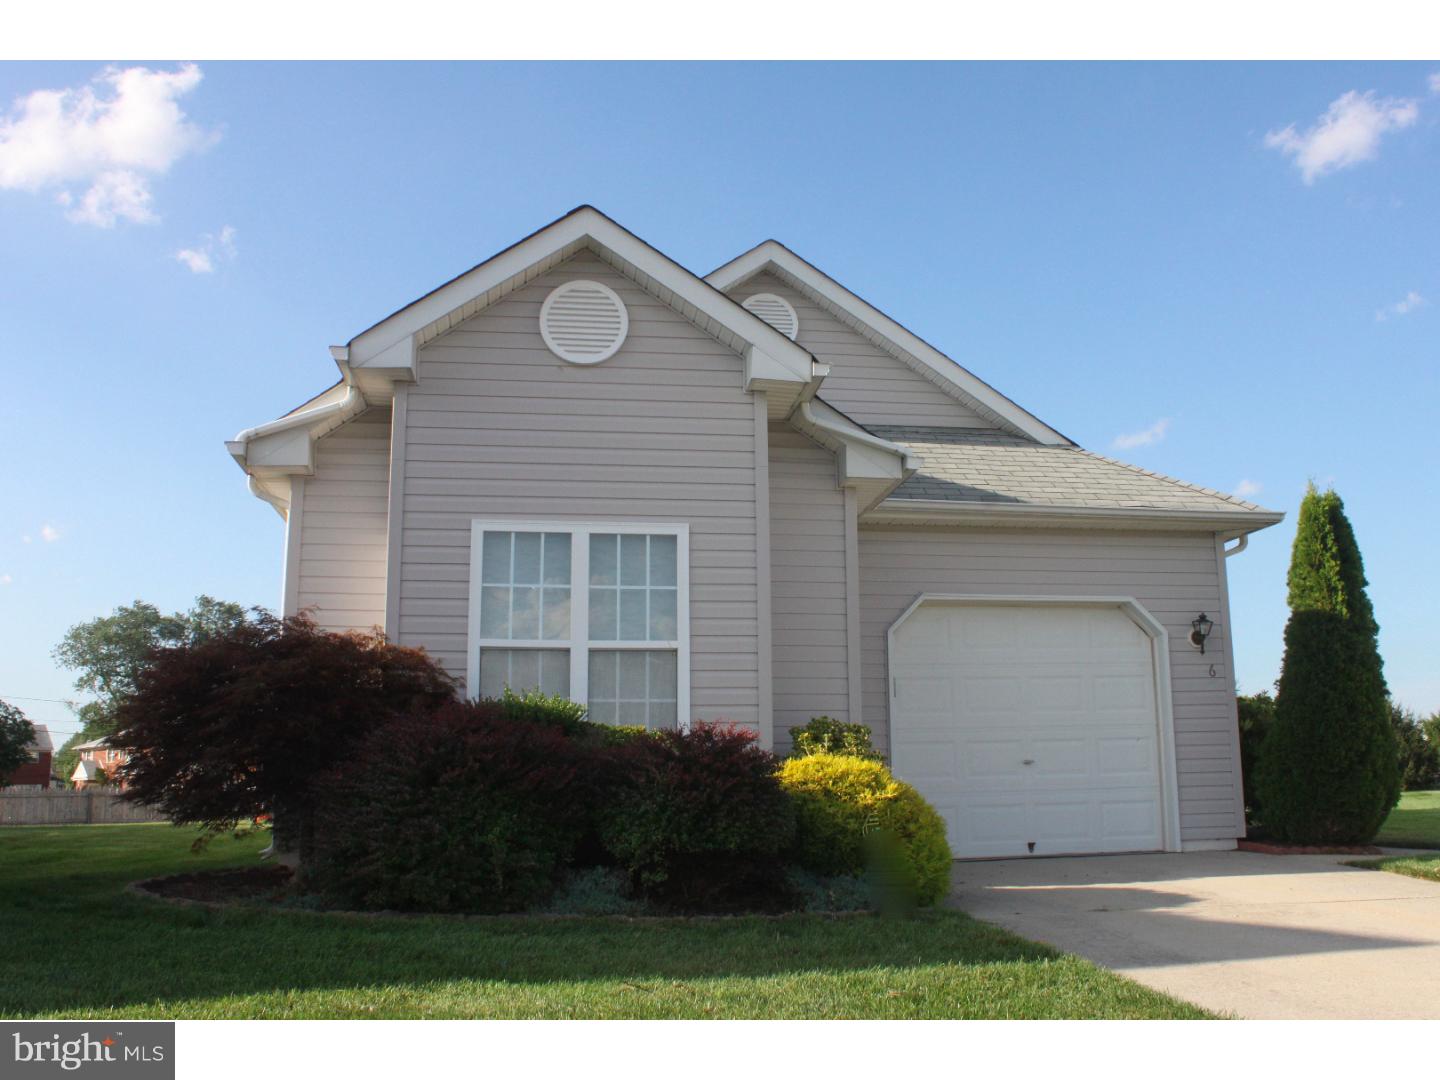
(1200, 630)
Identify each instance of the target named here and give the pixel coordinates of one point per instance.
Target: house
(754, 497)
(36, 771)
(97, 764)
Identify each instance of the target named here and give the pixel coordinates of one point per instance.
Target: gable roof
(875, 326)
(41, 743)
(998, 475)
(385, 343)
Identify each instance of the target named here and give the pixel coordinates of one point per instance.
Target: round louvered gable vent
(584, 322)
(776, 311)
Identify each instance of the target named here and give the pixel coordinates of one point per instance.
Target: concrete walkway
(1256, 936)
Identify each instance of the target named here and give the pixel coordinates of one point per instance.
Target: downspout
(1244, 542)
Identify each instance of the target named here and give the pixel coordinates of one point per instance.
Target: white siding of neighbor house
(342, 525)
(497, 426)
(808, 574)
(865, 382)
(1173, 575)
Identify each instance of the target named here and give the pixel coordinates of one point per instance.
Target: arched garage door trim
(1160, 658)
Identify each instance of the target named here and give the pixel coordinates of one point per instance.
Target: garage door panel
(1061, 762)
(932, 762)
(1118, 757)
(992, 763)
(1130, 692)
(989, 826)
(1060, 824)
(927, 693)
(1052, 692)
(981, 689)
(997, 631)
(1131, 822)
(989, 694)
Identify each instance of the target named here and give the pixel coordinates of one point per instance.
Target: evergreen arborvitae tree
(1329, 768)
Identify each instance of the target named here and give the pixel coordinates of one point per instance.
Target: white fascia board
(773, 351)
(283, 450)
(947, 512)
(772, 252)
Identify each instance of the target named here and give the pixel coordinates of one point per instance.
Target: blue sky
(1146, 253)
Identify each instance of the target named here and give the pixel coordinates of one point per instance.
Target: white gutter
(997, 512)
(1244, 542)
(909, 461)
(353, 401)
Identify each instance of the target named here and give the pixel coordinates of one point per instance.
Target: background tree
(1257, 711)
(243, 722)
(1329, 770)
(1419, 754)
(16, 735)
(110, 651)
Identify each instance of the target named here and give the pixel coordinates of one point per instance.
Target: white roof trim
(1232, 523)
(769, 353)
(900, 342)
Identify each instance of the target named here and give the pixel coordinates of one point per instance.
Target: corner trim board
(764, 633)
(395, 518)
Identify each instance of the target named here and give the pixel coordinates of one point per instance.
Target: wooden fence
(60, 807)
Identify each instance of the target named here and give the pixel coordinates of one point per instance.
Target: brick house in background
(98, 761)
(36, 771)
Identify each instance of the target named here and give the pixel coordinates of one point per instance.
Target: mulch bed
(264, 883)
(1262, 848)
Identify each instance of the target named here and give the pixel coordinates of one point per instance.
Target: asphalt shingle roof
(964, 465)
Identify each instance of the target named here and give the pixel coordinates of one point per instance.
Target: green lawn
(1421, 866)
(1414, 823)
(76, 945)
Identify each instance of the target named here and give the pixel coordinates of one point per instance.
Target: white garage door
(1031, 728)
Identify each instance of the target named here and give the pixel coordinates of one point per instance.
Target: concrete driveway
(1256, 936)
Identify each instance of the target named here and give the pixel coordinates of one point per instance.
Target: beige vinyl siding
(342, 525)
(807, 552)
(1173, 576)
(865, 382)
(663, 431)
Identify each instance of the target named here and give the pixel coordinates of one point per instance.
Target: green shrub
(460, 809)
(698, 820)
(844, 892)
(1329, 767)
(841, 802)
(594, 890)
(826, 735)
(531, 706)
(1257, 712)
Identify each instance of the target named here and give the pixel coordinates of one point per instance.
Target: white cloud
(1411, 302)
(108, 139)
(1346, 135)
(1246, 488)
(1151, 435)
(201, 258)
(5, 579)
(198, 260)
(49, 533)
(1434, 83)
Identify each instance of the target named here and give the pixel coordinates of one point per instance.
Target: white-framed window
(596, 611)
